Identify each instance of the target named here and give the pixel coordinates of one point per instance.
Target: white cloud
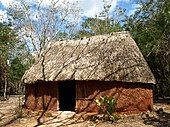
(3, 15)
(6, 3)
(134, 8)
(94, 7)
(90, 7)
(127, 1)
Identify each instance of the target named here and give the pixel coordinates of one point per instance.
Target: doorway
(67, 96)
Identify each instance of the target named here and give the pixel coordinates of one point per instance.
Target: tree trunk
(5, 86)
(5, 79)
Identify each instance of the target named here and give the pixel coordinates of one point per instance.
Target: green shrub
(106, 106)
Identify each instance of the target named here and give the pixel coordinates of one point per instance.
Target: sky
(90, 8)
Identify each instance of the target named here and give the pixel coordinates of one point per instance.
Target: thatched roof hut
(102, 58)
(113, 57)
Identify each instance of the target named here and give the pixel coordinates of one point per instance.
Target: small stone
(144, 116)
(167, 110)
(148, 122)
(48, 114)
(160, 111)
(100, 116)
(153, 115)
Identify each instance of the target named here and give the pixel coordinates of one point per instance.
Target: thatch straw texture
(113, 57)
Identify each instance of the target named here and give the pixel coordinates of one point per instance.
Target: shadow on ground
(63, 118)
(162, 119)
(163, 100)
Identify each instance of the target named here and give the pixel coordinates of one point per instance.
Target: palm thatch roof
(112, 57)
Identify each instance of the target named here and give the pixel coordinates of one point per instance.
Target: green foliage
(150, 27)
(106, 106)
(103, 23)
(8, 39)
(13, 62)
(61, 35)
(16, 69)
(95, 26)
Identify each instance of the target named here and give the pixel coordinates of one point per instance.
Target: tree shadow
(1, 116)
(59, 122)
(163, 100)
(162, 119)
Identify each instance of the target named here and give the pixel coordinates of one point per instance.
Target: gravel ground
(159, 118)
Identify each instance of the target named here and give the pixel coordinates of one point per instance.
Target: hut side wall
(41, 96)
(131, 97)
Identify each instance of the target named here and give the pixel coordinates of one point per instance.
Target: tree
(16, 70)
(150, 27)
(8, 39)
(38, 24)
(95, 26)
(103, 23)
(13, 60)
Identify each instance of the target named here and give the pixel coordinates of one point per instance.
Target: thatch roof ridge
(108, 57)
(84, 40)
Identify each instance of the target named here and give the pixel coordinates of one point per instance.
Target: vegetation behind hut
(149, 26)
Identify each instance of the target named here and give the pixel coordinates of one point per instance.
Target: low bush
(106, 106)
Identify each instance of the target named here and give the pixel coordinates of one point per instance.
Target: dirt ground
(8, 109)
(160, 117)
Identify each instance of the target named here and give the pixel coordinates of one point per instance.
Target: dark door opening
(67, 96)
